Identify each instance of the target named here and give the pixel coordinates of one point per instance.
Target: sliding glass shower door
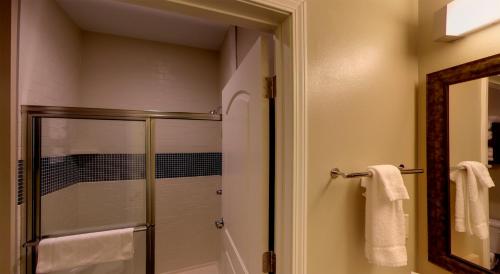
(188, 169)
(93, 170)
(90, 175)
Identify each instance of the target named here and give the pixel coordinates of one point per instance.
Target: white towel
(385, 240)
(472, 182)
(65, 253)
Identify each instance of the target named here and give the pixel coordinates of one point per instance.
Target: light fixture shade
(460, 17)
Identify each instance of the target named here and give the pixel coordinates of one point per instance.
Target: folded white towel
(472, 183)
(385, 241)
(65, 253)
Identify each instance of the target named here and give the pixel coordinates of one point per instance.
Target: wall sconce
(460, 17)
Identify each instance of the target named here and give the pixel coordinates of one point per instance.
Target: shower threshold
(208, 268)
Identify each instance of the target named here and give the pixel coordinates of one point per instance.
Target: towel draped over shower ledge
(69, 252)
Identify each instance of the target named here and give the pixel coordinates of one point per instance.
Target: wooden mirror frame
(438, 163)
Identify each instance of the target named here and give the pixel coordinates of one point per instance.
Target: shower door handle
(219, 223)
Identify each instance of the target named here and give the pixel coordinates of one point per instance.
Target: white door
(245, 139)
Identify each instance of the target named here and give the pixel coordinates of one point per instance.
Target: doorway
(236, 102)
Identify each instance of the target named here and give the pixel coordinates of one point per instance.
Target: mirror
(463, 165)
(474, 136)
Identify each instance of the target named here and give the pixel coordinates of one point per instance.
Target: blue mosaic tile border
(173, 165)
(20, 180)
(63, 171)
(58, 173)
(111, 167)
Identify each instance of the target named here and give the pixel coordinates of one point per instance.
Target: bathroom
(353, 91)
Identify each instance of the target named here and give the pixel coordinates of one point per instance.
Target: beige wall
(435, 56)
(468, 116)
(362, 64)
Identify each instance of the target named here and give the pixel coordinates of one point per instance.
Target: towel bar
(334, 173)
(36, 242)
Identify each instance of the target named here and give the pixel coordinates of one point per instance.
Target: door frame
(8, 133)
(287, 20)
(291, 136)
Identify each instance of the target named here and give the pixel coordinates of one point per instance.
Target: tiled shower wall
(92, 171)
(187, 206)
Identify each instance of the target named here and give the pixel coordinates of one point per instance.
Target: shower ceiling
(119, 18)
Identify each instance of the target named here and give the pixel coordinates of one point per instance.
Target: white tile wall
(188, 136)
(186, 209)
(97, 205)
(126, 73)
(50, 52)
(60, 211)
(61, 65)
(81, 136)
(65, 66)
(49, 55)
(112, 203)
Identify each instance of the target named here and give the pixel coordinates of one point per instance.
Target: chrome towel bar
(334, 173)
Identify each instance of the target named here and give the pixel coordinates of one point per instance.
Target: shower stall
(121, 130)
(91, 170)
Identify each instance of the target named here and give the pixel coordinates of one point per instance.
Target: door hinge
(269, 262)
(271, 87)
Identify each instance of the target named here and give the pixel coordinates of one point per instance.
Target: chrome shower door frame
(33, 116)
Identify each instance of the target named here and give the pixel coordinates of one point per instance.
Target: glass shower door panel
(92, 175)
(137, 265)
(188, 168)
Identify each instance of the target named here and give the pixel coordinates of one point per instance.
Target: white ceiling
(118, 18)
